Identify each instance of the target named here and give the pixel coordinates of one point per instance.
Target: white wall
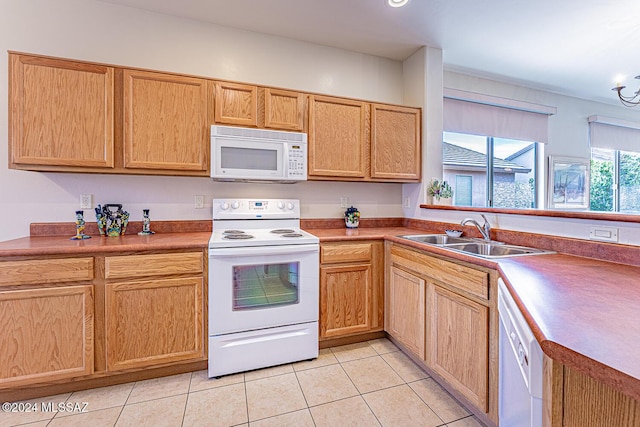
(96, 31)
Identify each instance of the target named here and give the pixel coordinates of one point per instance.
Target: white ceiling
(573, 47)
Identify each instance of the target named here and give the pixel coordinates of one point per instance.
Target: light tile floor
(365, 384)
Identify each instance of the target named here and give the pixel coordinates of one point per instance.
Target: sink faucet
(484, 229)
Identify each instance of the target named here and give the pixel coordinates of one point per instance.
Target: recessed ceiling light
(397, 3)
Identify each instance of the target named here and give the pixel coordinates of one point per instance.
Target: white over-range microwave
(243, 154)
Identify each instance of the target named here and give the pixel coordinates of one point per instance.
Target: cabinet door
(46, 334)
(165, 122)
(405, 310)
(153, 322)
(284, 109)
(458, 346)
(338, 137)
(61, 113)
(588, 402)
(395, 143)
(236, 104)
(345, 300)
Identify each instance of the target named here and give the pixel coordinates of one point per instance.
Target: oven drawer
(244, 351)
(331, 253)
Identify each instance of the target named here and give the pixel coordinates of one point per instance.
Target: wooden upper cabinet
(61, 113)
(239, 104)
(284, 109)
(395, 143)
(338, 137)
(236, 104)
(165, 122)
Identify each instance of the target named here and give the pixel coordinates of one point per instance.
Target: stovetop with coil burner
(257, 222)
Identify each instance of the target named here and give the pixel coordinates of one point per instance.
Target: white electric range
(263, 286)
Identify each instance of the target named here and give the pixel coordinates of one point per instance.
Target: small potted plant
(440, 192)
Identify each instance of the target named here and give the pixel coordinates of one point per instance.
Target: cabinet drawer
(46, 271)
(117, 267)
(352, 252)
(466, 279)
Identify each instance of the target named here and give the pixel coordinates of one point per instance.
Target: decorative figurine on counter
(352, 217)
(101, 219)
(146, 223)
(124, 221)
(112, 223)
(80, 227)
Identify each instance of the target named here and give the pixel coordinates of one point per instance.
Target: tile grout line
(246, 397)
(412, 390)
(306, 402)
(186, 402)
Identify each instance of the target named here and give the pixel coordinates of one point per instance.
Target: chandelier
(628, 101)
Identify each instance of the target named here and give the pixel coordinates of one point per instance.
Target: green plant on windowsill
(439, 190)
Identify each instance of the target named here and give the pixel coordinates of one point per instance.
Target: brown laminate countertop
(62, 245)
(585, 313)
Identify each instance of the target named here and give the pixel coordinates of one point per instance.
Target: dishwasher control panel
(523, 343)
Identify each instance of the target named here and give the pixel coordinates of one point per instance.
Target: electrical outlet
(407, 202)
(86, 201)
(344, 202)
(199, 202)
(604, 234)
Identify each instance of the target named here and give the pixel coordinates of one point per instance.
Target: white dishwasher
(520, 385)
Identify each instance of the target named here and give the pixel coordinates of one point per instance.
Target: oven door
(262, 287)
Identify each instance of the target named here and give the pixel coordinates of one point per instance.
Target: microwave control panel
(297, 160)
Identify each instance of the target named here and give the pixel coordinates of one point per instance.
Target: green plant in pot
(438, 190)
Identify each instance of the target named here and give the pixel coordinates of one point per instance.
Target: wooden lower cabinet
(153, 322)
(459, 343)
(350, 288)
(574, 399)
(405, 314)
(444, 313)
(75, 322)
(46, 335)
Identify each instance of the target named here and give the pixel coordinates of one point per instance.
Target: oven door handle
(263, 250)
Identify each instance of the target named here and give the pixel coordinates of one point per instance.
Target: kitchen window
(615, 165)
(495, 141)
(615, 181)
(485, 171)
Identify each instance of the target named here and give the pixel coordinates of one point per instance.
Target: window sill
(599, 216)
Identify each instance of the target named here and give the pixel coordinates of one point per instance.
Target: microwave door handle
(263, 250)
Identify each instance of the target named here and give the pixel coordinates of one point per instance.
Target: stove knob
(235, 205)
(280, 205)
(224, 206)
(290, 206)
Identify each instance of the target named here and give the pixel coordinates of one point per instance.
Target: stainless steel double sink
(476, 247)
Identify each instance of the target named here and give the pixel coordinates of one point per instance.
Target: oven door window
(265, 285)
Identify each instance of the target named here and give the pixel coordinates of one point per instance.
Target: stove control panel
(255, 208)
